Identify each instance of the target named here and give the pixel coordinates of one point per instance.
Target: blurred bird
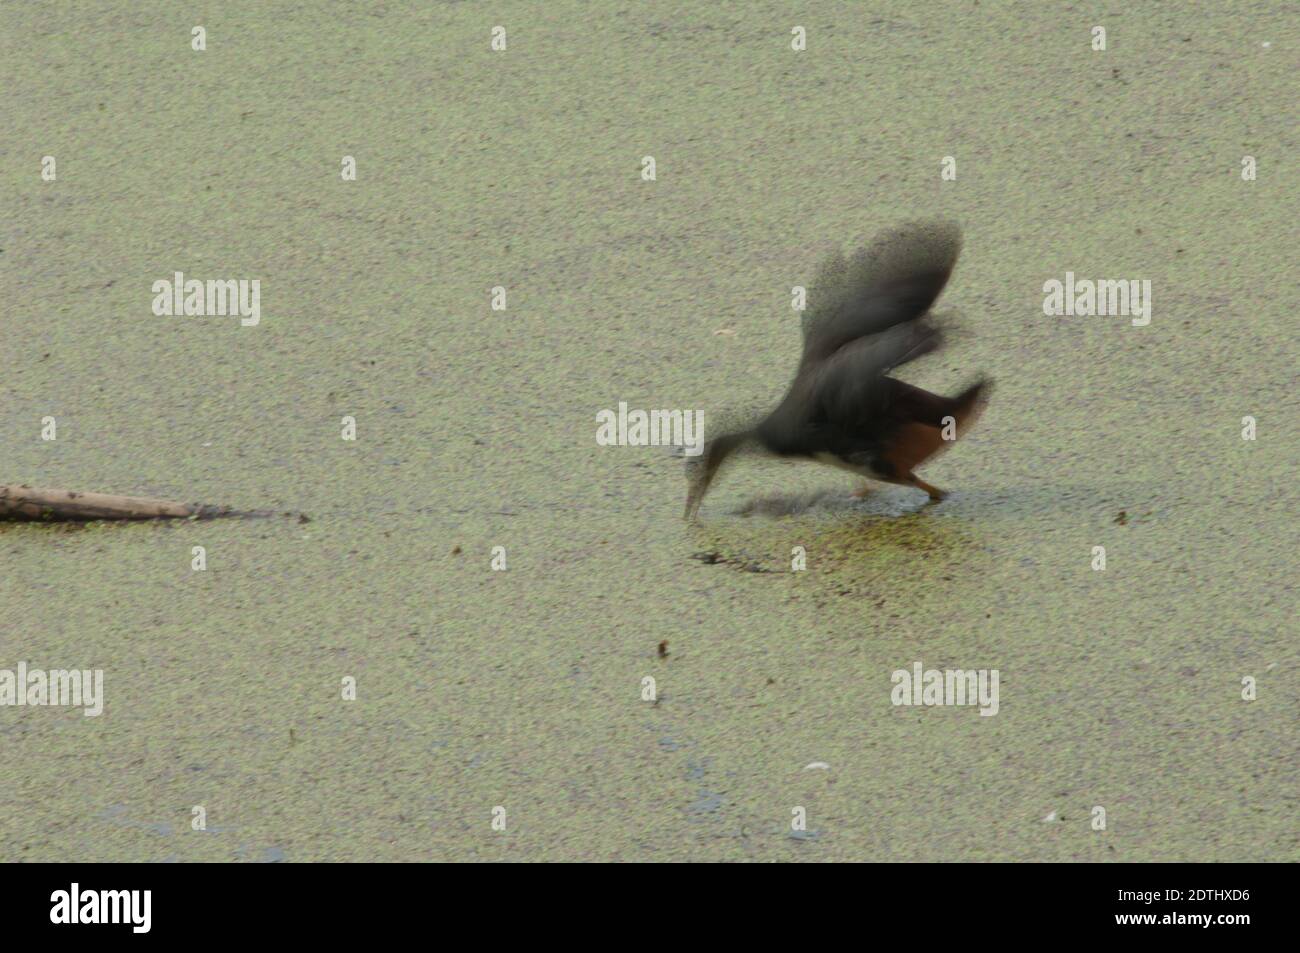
(865, 317)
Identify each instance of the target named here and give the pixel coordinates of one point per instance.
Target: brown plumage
(865, 317)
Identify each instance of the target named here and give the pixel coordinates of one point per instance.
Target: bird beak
(714, 453)
(695, 495)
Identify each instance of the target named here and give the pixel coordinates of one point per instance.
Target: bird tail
(970, 403)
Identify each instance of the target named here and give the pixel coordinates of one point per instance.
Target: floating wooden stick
(33, 503)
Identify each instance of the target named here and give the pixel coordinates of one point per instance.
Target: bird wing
(849, 387)
(846, 392)
(893, 281)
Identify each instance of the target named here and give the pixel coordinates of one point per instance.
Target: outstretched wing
(893, 281)
(847, 389)
(846, 392)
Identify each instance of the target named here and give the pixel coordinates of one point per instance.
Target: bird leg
(936, 494)
(861, 492)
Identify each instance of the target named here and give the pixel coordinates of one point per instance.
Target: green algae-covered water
(521, 689)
